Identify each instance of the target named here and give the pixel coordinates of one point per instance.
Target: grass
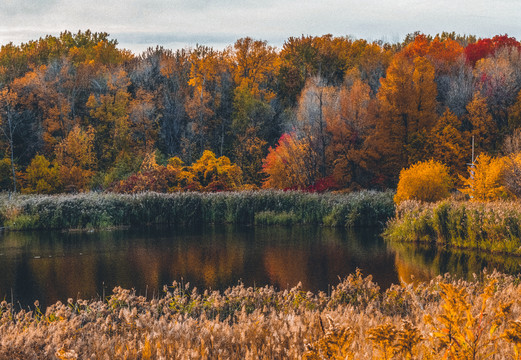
(443, 318)
(105, 210)
(492, 226)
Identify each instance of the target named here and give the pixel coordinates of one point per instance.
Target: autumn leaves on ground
(321, 114)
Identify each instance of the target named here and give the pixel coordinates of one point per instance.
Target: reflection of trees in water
(424, 262)
(320, 260)
(214, 257)
(210, 266)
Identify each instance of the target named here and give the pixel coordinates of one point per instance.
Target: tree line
(323, 112)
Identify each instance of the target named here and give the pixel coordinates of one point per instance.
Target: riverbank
(491, 226)
(444, 317)
(108, 210)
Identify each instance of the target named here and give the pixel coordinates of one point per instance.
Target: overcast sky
(138, 24)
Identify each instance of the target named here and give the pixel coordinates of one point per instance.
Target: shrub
(425, 181)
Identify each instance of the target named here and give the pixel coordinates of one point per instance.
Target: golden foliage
(485, 181)
(42, 177)
(425, 181)
(76, 158)
(335, 344)
(465, 329)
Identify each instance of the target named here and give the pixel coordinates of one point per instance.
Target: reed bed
(105, 210)
(443, 318)
(491, 226)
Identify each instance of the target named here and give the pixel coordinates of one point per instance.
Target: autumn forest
(321, 113)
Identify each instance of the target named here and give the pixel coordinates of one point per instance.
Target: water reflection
(52, 266)
(421, 263)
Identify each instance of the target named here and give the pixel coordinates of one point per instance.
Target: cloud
(138, 24)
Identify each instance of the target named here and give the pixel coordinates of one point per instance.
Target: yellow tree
(77, 159)
(407, 112)
(485, 181)
(215, 174)
(254, 65)
(42, 177)
(249, 152)
(425, 181)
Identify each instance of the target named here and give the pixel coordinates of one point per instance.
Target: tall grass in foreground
(103, 210)
(492, 226)
(444, 318)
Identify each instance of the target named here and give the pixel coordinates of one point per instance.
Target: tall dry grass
(445, 318)
(104, 210)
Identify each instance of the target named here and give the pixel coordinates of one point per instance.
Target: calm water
(51, 266)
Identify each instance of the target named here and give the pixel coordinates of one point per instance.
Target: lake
(52, 266)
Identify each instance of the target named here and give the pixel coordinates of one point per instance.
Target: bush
(424, 181)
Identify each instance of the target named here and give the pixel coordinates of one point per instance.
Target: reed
(491, 226)
(444, 318)
(105, 210)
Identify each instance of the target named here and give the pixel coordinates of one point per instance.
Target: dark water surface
(52, 266)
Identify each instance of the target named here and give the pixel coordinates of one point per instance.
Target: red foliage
(158, 180)
(485, 47)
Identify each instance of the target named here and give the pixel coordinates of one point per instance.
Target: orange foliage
(450, 145)
(287, 165)
(348, 124)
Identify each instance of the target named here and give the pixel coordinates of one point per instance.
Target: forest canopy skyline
(177, 24)
(79, 113)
